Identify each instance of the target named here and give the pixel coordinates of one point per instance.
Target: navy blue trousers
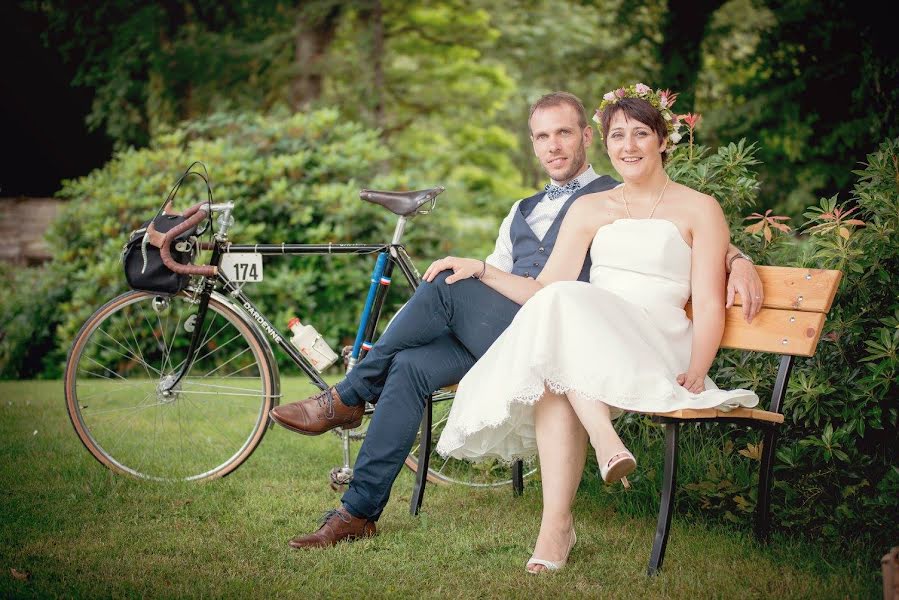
(432, 343)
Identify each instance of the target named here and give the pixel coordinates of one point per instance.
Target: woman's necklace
(659, 199)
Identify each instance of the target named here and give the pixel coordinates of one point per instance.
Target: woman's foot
(551, 551)
(617, 467)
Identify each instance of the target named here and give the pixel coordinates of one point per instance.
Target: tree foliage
(816, 83)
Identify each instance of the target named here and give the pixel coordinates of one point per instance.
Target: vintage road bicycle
(180, 387)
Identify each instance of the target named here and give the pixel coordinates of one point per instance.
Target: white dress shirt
(540, 220)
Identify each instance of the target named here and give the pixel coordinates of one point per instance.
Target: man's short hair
(557, 99)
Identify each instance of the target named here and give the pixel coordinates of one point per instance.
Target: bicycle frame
(390, 255)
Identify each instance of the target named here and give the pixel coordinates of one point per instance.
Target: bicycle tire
(207, 426)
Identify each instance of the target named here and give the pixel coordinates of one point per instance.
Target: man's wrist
(483, 270)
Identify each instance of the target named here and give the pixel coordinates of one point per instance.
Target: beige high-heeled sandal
(549, 565)
(620, 465)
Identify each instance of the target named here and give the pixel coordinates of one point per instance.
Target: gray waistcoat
(529, 254)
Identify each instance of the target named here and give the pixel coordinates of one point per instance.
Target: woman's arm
(565, 261)
(710, 241)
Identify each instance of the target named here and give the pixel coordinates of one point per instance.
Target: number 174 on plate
(242, 266)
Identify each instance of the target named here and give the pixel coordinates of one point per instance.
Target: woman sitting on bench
(578, 354)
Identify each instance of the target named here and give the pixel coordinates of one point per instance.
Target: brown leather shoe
(337, 525)
(318, 414)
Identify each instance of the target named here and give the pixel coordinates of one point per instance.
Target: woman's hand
(744, 280)
(461, 267)
(693, 382)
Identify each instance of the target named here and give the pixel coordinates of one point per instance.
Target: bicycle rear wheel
(488, 473)
(207, 425)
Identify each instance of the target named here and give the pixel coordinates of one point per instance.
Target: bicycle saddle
(405, 204)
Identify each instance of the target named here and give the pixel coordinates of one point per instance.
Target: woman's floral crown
(661, 100)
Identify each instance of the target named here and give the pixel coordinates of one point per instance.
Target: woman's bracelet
(481, 274)
(730, 263)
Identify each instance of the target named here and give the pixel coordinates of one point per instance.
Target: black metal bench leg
(769, 445)
(517, 477)
(424, 455)
(766, 476)
(669, 481)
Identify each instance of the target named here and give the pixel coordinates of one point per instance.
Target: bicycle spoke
(197, 360)
(221, 387)
(137, 345)
(105, 369)
(132, 355)
(235, 357)
(253, 395)
(94, 413)
(123, 430)
(217, 348)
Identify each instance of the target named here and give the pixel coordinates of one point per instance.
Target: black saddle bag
(143, 263)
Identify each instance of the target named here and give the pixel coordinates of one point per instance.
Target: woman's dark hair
(639, 110)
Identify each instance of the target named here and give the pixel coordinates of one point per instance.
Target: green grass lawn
(70, 528)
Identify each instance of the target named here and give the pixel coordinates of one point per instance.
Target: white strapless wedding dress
(622, 339)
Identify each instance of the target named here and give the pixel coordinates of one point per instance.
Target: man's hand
(744, 279)
(693, 382)
(461, 267)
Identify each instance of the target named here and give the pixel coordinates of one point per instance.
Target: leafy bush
(294, 178)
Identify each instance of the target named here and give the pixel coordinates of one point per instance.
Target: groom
(444, 328)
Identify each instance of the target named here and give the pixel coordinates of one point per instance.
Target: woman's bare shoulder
(694, 202)
(589, 209)
(596, 198)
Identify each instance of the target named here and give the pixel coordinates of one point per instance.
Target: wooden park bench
(795, 306)
(790, 323)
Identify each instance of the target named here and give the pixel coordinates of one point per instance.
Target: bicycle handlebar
(195, 215)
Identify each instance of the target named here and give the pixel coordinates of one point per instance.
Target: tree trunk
(680, 51)
(378, 62)
(313, 37)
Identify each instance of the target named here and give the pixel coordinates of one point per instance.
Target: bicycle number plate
(242, 266)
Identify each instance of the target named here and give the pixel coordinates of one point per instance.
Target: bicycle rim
(488, 473)
(116, 395)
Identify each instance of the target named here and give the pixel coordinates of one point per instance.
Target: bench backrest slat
(798, 288)
(792, 318)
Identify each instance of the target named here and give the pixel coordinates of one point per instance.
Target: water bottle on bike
(311, 345)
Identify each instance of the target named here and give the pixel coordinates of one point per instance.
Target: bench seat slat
(713, 413)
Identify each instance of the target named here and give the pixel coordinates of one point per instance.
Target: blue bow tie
(554, 191)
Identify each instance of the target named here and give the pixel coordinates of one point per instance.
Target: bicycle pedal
(340, 476)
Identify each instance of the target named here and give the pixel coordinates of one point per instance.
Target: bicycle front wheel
(116, 387)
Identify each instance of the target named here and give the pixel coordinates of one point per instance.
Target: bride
(578, 354)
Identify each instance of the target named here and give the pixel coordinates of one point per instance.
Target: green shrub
(294, 178)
